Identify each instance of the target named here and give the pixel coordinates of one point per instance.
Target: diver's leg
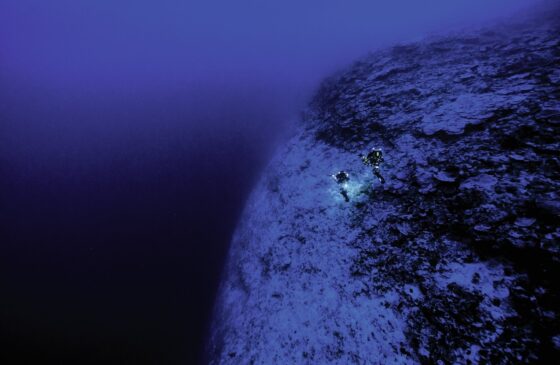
(377, 173)
(345, 195)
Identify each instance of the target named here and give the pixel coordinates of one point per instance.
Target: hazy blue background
(130, 135)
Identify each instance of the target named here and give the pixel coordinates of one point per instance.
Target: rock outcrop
(455, 259)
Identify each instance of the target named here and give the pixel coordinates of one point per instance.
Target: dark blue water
(115, 220)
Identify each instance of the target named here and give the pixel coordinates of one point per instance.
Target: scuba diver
(374, 159)
(342, 179)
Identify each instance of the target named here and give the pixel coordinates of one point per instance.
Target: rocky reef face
(455, 259)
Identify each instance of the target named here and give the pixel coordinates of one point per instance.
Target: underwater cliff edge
(454, 259)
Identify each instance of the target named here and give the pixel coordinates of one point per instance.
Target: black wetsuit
(374, 159)
(341, 177)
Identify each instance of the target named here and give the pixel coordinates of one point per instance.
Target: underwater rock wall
(455, 259)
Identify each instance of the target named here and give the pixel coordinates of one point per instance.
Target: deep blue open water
(115, 221)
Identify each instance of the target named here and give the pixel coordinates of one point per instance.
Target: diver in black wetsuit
(341, 179)
(374, 159)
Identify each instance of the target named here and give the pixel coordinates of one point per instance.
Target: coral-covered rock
(455, 259)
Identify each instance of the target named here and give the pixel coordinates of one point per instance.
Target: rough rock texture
(455, 259)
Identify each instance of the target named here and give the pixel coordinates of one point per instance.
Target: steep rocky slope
(455, 259)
